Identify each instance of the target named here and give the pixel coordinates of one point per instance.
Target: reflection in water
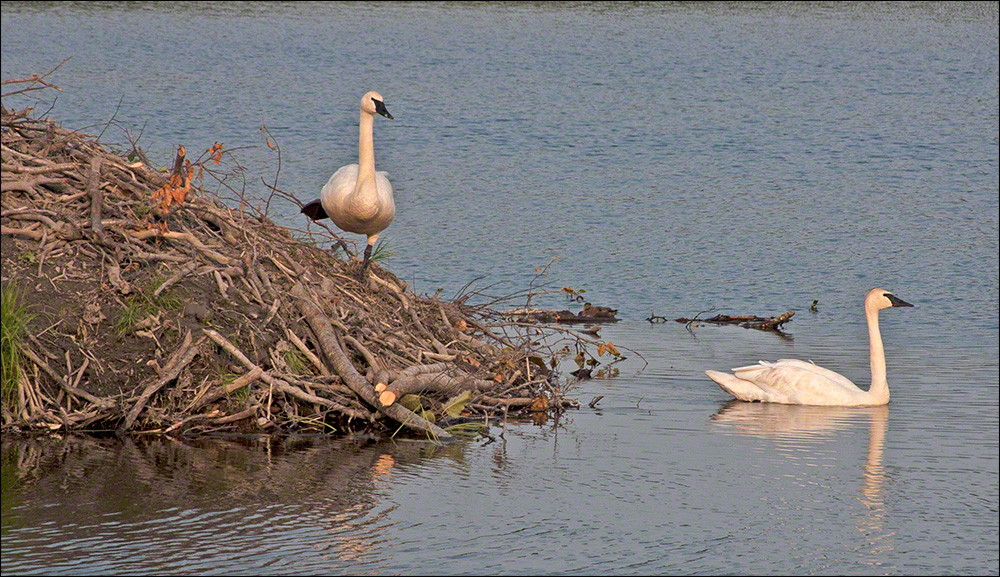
(101, 496)
(801, 425)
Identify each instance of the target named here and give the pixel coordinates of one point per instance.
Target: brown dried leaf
(539, 405)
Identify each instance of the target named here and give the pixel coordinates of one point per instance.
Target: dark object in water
(748, 322)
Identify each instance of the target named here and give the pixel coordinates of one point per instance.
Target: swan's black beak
(896, 301)
(380, 108)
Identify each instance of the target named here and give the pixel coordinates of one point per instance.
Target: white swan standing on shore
(356, 198)
(795, 382)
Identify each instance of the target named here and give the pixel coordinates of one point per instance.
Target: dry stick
(135, 253)
(283, 386)
(8, 168)
(342, 365)
(115, 276)
(178, 361)
(483, 329)
(270, 314)
(185, 236)
(28, 232)
(246, 414)
(243, 380)
(254, 283)
(305, 350)
(62, 382)
(188, 419)
(340, 390)
(771, 324)
(96, 198)
(177, 276)
(440, 382)
(472, 341)
(265, 280)
(223, 287)
(22, 395)
(215, 218)
(395, 290)
(383, 377)
(511, 402)
(369, 357)
(423, 369)
(40, 218)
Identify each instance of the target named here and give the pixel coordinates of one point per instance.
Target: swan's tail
(315, 210)
(737, 387)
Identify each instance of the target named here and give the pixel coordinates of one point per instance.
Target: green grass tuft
(138, 306)
(382, 251)
(14, 319)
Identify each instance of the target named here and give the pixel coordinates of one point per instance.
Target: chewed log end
(387, 398)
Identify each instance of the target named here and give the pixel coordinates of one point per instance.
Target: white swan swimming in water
(357, 198)
(795, 382)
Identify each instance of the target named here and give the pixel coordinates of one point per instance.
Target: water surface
(674, 159)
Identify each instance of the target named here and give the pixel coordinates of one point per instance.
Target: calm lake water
(674, 159)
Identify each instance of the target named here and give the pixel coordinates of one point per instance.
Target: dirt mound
(152, 306)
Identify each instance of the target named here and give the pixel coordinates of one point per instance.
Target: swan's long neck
(879, 389)
(366, 151)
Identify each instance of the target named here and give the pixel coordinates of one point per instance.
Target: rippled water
(676, 158)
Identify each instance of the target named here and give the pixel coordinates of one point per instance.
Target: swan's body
(357, 198)
(795, 382)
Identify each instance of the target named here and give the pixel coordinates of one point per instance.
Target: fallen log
(342, 366)
(749, 322)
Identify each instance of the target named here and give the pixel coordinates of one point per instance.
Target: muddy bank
(152, 306)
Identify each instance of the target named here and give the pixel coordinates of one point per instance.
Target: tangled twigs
(278, 384)
(180, 359)
(34, 82)
(342, 365)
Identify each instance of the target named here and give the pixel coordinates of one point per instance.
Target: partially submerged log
(589, 314)
(750, 322)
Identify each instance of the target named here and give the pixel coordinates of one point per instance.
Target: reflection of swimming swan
(800, 423)
(769, 420)
(357, 198)
(795, 382)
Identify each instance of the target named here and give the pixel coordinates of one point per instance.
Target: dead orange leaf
(539, 405)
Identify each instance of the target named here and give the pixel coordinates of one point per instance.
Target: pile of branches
(156, 308)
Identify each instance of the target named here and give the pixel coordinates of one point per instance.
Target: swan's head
(882, 299)
(373, 103)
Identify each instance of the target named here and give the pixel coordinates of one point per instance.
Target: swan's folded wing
(798, 381)
(832, 375)
(341, 184)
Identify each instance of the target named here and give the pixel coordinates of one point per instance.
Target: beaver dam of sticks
(139, 302)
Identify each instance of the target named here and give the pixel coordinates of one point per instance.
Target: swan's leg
(367, 261)
(362, 273)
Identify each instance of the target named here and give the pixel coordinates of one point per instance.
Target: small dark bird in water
(590, 310)
(813, 307)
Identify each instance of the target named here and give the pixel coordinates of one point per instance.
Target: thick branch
(342, 366)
